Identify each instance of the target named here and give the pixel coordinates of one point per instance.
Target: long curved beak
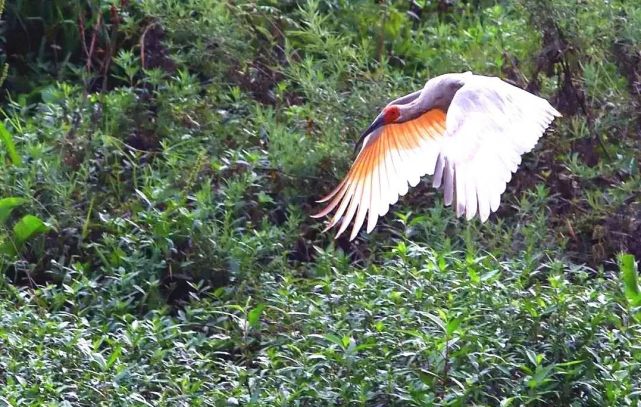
(375, 125)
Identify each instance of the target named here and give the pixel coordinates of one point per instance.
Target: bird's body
(468, 131)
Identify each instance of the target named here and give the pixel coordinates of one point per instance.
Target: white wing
(393, 157)
(489, 125)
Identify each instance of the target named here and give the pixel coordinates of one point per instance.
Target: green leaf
(264, 198)
(114, 356)
(254, 315)
(6, 137)
(630, 279)
(427, 377)
(532, 357)
(438, 321)
(7, 205)
(541, 376)
(473, 275)
(334, 339)
(489, 275)
(28, 227)
(452, 325)
(570, 363)
(379, 326)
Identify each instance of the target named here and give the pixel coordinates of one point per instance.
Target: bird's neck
(439, 92)
(410, 111)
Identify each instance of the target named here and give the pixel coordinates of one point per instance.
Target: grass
(179, 265)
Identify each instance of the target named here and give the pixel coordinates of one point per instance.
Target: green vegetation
(161, 159)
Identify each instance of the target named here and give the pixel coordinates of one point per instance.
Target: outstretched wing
(392, 157)
(490, 124)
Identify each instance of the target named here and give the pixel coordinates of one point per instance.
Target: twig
(92, 47)
(110, 49)
(142, 43)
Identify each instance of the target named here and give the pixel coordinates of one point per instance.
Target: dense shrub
(174, 150)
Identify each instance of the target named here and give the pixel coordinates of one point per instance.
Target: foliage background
(174, 150)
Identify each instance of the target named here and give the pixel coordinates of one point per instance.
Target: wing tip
(324, 212)
(354, 233)
(329, 226)
(469, 215)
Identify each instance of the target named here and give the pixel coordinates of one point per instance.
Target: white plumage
(468, 131)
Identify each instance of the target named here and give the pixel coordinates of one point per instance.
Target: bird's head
(390, 114)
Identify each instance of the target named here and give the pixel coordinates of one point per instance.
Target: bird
(468, 131)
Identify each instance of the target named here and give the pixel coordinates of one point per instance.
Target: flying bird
(469, 131)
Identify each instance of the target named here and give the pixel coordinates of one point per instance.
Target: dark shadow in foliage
(153, 52)
(260, 77)
(51, 38)
(41, 36)
(628, 61)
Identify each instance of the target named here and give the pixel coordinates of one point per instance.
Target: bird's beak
(380, 120)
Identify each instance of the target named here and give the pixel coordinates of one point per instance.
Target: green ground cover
(162, 158)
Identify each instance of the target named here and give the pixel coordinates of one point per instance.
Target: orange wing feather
(393, 156)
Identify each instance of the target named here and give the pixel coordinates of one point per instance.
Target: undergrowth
(173, 152)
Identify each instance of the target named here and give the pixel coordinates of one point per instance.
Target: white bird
(468, 131)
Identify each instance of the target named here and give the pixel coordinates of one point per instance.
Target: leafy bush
(176, 165)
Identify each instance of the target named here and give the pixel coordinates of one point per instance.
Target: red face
(390, 114)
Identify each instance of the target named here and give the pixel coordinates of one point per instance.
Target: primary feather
(469, 131)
